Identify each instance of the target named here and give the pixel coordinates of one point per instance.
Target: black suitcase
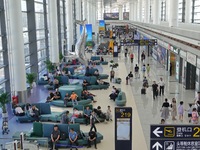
(143, 91)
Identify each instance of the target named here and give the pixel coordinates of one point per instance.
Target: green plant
(114, 65)
(3, 101)
(112, 61)
(49, 65)
(61, 57)
(30, 77)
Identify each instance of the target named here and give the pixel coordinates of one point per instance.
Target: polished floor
(146, 111)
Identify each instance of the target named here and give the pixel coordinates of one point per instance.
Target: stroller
(5, 126)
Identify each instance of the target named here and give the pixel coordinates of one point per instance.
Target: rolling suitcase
(143, 91)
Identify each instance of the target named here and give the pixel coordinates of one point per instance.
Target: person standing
(165, 109)
(93, 118)
(180, 111)
(92, 138)
(130, 75)
(142, 57)
(131, 57)
(126, 52)
(155, 89)
(136, 71)
(108, 114)
(55, 135)
(174, 109)
(73, 138)
(148, 69)
(143, 70)
(112, 75)
(161, 83)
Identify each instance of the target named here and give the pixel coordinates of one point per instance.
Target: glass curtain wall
(163, 10)
(196, 11)
(181, 11)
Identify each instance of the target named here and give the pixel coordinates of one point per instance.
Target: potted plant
(30, 77)
(4, 99)
(61, 57)
(49, 65)
(113, 64)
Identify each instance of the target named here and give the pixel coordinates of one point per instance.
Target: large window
(196, 11)
(181, 11)
(163, 10)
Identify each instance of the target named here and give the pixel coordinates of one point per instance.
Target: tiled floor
(146, 111)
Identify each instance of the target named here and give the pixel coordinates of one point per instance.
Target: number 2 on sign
(197, 132)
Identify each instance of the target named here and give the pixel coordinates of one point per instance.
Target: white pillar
(188, 11)
(89, 10)
(156, 13)
(84, 9)
(147, 11)
(69, 25)
(131, 11)
(120, 12)
(17, 49)
(135, 10)
(140, 10)
(53, 31)
(173, 20)
(94, 11)
(78, 17)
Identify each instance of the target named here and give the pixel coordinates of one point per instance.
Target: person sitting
(99, 113)
(56, 83)
(57, 95)
(55, 136)
(87, 95)
(92, 138)
(66, 99)
(101, 59)
(75, 115)
(87, 71)
(19, 111)
(101, 82)
(74, 97)
(85, 84)
(96, 73)
(50, 97)
(65, 118)
(34, 112)
(87, 113)
(73, 138)
(114, 94)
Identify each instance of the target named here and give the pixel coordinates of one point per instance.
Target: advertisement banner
(111, 16)
(125, 15)
(88, 31)
(160, 54)
(101, 27)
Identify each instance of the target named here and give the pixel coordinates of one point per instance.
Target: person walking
(137, 71)
(165, 109)
(161, 84)
(126, 52)
(112, 75)
(144, 70)
(131, 57)
(148, 69)
(174, 109)
(180, 111)
(93, 118)
(155, 89)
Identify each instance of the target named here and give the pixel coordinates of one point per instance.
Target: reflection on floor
(146, 111)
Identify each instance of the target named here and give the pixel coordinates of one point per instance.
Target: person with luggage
(137, 71)
(155, 90)
(161, 84)
(145, 83)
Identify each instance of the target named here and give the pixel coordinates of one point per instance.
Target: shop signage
(183, 54)
(175, 137)
(191, 58)
(173, 49)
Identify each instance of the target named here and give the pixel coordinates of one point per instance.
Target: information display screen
(123, 128)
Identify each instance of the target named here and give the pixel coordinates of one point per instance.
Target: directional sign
(175, 137)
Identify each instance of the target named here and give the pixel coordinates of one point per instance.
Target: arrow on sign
(157, 132)
(157, 145)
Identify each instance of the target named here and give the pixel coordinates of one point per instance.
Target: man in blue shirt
(87, 113)
(73, 138)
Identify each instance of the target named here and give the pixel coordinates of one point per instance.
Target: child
(162, 121)
(190, 112)
(180, 111)
(108, 114)
(127, 80)
(195, 116)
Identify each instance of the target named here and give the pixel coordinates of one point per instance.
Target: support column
(46, 29)
(17, 49)
(53, 31)
(120, 12)
(173, 19)
(188, 10)
(94, 10)
(78, 17)
(59, 27)
(131, 12)
(140, 10)
(69, 25)
(156, 13)
(147, 11)
(135, 10)
(89, 10)
(84, 9)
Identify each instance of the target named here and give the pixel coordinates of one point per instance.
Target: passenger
(75, 115)
(50, 97)
(56, 83)
(195, 116)
(55, 136)
(73, 139)
(74, 97)
(92, 138)
(174, 109)
(137, 75)
(19, 111)
(108, 114)
(180, 111)
(96, 73)
(93, 119)
(112, 75)
(162, 121)
(87, 113)
(85, 84)
(190, 112)
(143, 70)
(57, 95)
(130, 75)
(66, 99)
(65, 118)
(165, 109)
(148, 70)
(34, 113)
(155, 90)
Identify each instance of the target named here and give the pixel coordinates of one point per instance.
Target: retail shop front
(197, 84)
(182, 66)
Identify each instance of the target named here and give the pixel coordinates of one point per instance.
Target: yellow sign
(169, 132)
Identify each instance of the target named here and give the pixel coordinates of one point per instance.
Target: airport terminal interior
(100, 74)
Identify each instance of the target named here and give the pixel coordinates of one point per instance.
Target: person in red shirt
(131, 57)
